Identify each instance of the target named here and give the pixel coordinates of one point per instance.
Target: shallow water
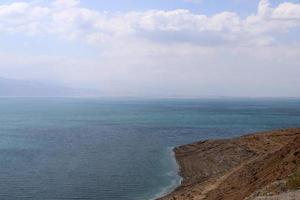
(72, 148)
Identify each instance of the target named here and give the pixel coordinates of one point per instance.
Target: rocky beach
(256, 166)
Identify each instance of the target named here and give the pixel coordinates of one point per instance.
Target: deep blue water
(64, 148)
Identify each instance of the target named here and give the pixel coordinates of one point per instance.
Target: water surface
(72, 148)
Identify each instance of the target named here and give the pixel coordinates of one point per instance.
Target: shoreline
(223, 168)
(176, 182)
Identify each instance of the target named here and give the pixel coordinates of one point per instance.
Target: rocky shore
(255, 166)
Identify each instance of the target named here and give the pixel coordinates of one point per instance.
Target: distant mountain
(11, 87)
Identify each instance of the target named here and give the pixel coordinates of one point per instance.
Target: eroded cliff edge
(247, 167)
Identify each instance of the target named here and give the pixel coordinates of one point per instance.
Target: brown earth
(233, 169)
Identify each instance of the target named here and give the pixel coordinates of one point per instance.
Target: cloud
(194, 1)
(287, 11)
(67, 19)
(158, 52)
(66, 3)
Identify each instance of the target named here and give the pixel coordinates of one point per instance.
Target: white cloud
(194, 1)
(67, 19)
(66, 3)
(161, 52)
(288, 11)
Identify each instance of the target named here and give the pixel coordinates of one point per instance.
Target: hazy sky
(157, 48)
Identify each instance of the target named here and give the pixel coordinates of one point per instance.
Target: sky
(155, 48)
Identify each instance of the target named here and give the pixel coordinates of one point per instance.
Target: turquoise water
(64, 148)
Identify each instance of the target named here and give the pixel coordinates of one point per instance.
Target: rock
(234, 169)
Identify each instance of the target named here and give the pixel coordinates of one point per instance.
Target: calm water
(60, 148)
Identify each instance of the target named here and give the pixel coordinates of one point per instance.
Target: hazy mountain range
(18, 88)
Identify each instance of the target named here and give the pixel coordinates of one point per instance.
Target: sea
(116, 149)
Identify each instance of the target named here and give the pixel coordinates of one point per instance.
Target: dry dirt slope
(234, 169)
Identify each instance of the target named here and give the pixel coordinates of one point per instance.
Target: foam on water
(174, 174)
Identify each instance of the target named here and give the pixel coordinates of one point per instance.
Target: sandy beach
(254, 166)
